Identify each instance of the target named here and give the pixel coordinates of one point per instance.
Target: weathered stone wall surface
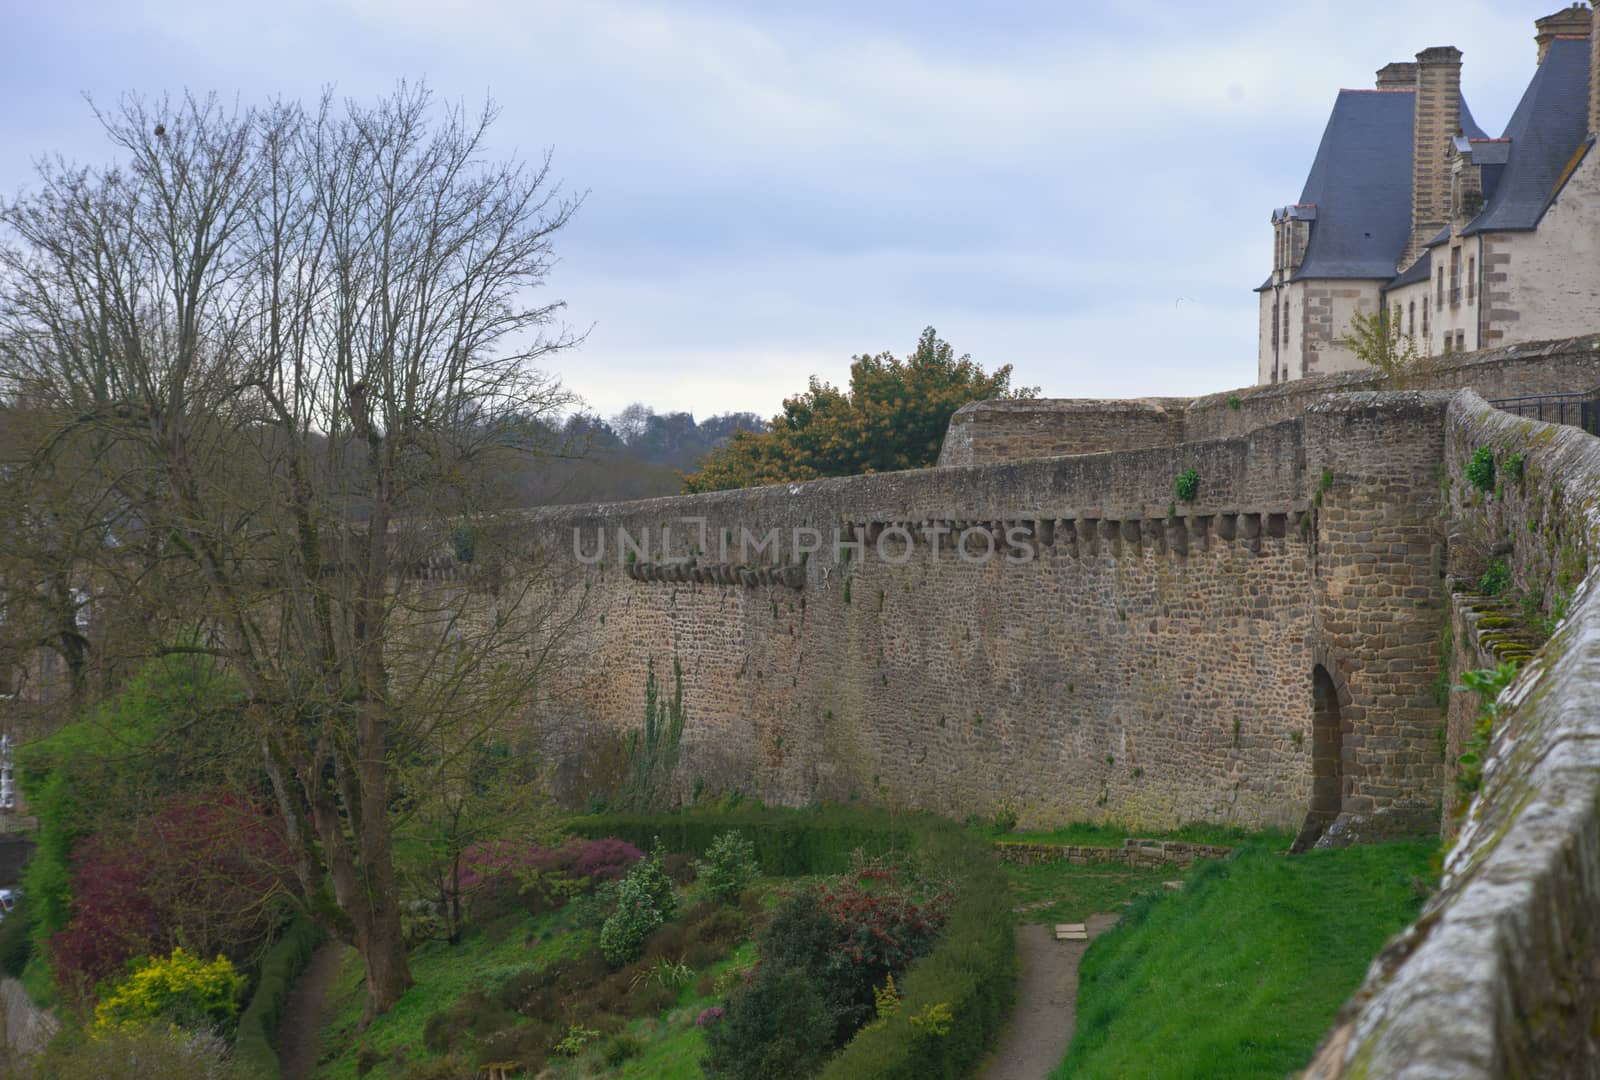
(1498, 977)
(1149, 661)
(989, 431)
(1379, 593)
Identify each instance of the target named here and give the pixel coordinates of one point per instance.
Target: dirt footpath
(1047, 1001)
(299, 1032)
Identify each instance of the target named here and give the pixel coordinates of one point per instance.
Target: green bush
(778, 1025)
(644, 901)
(1188, 485)
(1495, 578)
(729, 867)
(1480, 469)
(788, 843)
(171, 731)
(279, 969)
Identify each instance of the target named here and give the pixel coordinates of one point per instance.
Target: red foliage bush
(882, 930)
(203, 871)
(597, 860)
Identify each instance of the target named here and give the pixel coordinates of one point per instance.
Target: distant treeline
(636, 454)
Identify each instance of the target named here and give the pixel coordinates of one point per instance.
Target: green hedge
(788, 842)
(973, 966)
(280, 968)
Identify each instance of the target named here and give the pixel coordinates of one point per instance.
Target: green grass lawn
(1241, 973)
(1060, 892)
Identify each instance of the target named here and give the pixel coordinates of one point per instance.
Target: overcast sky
(1080, 190)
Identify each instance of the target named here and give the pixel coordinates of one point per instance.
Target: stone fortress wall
(990, 431)
(1147, 662)
(1265, 655)
(1497, 977)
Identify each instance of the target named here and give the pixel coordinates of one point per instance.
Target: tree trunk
(388, 975)
(383, 954)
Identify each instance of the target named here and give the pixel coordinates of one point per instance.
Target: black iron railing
(1580, 410)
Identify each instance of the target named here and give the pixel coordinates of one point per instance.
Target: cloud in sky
(1079, 190)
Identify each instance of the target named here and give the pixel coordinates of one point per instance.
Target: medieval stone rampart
(1139, 658)
(1497, 978)
(991, 431)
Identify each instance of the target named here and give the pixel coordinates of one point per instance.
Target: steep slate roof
(1550, 124)
(1421, 270)
(1361, 185)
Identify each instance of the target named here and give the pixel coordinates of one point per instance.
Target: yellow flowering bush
(182, 989)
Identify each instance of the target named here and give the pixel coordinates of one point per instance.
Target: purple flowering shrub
(499, 876)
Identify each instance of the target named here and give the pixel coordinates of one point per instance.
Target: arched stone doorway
(1327, 759)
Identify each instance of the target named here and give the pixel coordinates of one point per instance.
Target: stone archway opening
(1327, 759)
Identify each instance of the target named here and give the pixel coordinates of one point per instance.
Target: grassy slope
(673, 1045)
(442, 974)
(1241, 973)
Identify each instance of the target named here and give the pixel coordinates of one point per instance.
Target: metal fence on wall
(1581, 410)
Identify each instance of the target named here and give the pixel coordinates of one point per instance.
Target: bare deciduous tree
(281, 350)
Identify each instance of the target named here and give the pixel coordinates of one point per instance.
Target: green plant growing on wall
(653, 751)
(1488, 682)
(1514, 466)
(1234, 402)
(1188, 485)
(1236, 733)
(1480, 469)
(1495, 578)
(1378, 342)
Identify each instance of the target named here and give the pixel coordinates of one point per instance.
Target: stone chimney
(1594, 78)
(1436, 121)
(1568, 22)
(1400, 75)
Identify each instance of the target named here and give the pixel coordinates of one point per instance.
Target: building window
(1455, 277)
(1472, 274)
(1396, 318)
(1411, 320)
(1286, 322)
(1441, 286)
(1424, 316)
(1461, 341)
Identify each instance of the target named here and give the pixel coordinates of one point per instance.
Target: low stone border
(1134, 852)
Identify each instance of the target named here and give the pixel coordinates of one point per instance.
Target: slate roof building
(1467, 241)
